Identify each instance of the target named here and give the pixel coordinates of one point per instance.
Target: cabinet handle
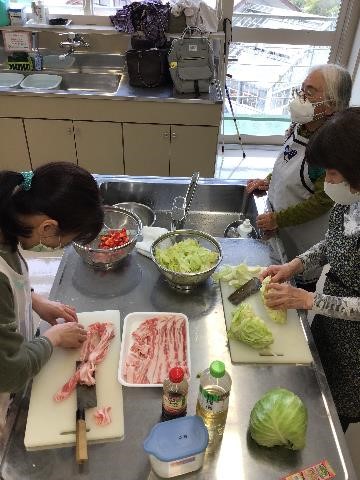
(70, 131)
(173, 135)
(166, 134)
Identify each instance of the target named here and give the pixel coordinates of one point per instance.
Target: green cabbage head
(248, 328)
(279, 418)
(277, 316)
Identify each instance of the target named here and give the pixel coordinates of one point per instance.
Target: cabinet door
(193, 149)
(50, 141)
(99, 147)
(146, 149)
(14, 153)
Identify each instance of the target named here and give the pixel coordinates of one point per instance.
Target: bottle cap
(176, 374)
(217, 369)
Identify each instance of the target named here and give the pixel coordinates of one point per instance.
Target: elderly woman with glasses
(298, 207)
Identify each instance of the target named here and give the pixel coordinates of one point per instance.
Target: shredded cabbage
(277, 316)
(279, 418)
(238, 275)
(249, 328)
(187, 256)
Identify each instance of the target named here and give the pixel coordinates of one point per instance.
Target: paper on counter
(149, 234)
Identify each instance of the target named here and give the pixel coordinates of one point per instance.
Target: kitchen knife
(249, 288)
(86, 398)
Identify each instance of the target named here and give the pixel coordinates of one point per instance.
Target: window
(270, 54)
(94, 7)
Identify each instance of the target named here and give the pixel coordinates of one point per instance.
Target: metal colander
(186, 281)
(107, 259)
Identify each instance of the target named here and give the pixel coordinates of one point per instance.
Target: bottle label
(214, 402)
(174, 403)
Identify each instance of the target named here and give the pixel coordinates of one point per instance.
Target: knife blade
(85, 398)
(249, 288)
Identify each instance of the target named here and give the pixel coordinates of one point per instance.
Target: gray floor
(258, 163)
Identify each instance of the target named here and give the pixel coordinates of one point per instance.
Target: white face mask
(303, 111)
(340, 193)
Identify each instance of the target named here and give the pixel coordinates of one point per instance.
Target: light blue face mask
(44, 248)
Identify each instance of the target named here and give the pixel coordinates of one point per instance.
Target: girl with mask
(298, 207)
(40, 210)
(336, 325)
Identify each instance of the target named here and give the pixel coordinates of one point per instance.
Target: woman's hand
(267, 221)
(50, 311)
(257, 186)
(283, 296)
(282, 273)
(67, 335)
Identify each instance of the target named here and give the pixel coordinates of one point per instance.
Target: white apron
(20, 287)
(290, 184)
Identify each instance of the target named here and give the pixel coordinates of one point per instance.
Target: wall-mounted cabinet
(14, 153)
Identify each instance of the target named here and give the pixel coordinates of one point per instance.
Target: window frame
(339, 41)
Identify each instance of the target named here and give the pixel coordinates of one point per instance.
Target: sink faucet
(181, 205)
(74, 41)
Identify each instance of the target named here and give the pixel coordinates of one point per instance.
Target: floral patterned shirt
(341, 249)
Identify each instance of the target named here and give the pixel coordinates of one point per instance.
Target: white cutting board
(290, 344)
(48, 420)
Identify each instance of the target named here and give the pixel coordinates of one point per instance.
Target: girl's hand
(67, 335)
(282, 273)
(50, 311)
(283, 296)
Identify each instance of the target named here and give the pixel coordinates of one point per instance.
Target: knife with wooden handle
(243, 292)
(86, 398)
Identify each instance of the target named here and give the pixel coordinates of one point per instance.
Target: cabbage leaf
(236, 276)
(187, 256)
(249, 328)
(279, 418)
(277, 316)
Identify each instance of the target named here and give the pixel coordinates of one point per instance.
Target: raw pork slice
(159, 344)
(93, 351)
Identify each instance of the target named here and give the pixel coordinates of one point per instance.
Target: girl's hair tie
(27, 176)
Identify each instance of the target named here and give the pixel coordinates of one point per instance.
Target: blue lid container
(175, 439)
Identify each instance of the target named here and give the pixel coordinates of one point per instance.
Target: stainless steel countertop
(124, 92)
(137, 286)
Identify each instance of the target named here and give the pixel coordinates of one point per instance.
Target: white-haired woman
(298, 206)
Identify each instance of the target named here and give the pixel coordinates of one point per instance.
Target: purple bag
(150, 17)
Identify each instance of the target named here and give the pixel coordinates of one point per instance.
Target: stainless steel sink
(90, 82)
(103, 61)
(215, 204)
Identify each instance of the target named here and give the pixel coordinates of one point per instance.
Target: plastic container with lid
(213, 399)
(175, 389)
(245, 229)
(177, 447)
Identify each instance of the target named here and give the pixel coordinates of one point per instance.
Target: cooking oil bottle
(213, 399)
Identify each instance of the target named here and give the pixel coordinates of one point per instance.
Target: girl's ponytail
(10, 226)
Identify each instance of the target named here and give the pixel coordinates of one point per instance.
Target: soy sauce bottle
(175, 389)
